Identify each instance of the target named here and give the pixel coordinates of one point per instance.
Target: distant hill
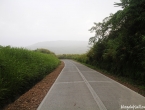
(62, 47)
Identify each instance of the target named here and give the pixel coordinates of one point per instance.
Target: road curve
(81, 88)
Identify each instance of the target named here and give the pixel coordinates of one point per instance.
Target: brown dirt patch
(32, 98)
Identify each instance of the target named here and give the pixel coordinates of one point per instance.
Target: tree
(119, 41)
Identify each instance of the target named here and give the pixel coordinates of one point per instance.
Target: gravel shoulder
(32, 98)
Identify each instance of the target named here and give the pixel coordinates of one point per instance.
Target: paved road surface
(81, 88)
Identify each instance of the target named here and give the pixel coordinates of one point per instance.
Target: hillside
(62, 47)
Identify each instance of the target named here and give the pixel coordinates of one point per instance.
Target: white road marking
(95, 96)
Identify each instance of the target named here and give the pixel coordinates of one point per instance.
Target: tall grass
(20, 69)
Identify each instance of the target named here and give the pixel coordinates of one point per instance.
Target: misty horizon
(24, 23)
(62, 47)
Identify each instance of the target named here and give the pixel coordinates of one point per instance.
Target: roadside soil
(32, 98)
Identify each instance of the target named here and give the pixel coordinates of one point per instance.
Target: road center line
(95, 96)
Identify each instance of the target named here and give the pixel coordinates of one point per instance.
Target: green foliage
(44, 51)
(20, 69)
(119, 41)
(123, 4)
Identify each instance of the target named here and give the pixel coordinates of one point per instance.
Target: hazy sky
(25, 22)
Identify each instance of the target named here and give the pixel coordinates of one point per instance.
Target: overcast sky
(25, 22)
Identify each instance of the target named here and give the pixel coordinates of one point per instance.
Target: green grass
(20, 69)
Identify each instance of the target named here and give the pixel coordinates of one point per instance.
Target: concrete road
(81, 88)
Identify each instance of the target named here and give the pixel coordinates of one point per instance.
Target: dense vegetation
(42, 50)
(20, 69)
(119, 42)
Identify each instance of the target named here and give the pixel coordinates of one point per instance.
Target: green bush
(42, 50)
(20, 69)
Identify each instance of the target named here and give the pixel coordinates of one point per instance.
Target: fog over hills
(62, 47)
